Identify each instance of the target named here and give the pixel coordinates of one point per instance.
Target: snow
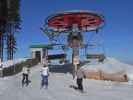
(12, 62)
(111, 65)
(10, 87)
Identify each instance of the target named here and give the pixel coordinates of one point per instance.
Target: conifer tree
(9, 24)
(13, 24)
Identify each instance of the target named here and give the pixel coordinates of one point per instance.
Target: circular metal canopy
(84, 21)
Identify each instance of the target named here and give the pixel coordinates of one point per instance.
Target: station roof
(41, 46)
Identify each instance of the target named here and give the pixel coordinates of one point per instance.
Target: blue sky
(117, 33)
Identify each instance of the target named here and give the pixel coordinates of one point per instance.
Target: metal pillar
(75, 40)
(75, 60)
(45, 56)
(1, 46)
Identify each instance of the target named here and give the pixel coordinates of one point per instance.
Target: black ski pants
(80, 83)
(25, 79)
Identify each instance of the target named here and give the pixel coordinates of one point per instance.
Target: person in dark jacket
(79, 80)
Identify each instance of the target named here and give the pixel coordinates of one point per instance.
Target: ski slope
(11, 89)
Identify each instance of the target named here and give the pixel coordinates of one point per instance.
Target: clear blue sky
(117, 33)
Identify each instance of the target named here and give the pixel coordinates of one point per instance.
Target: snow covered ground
(12, 62)
(11, 89)
(111, 65)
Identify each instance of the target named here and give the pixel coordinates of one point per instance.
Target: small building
(40, 52)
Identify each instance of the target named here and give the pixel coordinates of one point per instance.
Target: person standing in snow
(79, 80)
(44, 75)
(25, 74)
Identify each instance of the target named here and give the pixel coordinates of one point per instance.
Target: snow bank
(12, 62)
(110, 65)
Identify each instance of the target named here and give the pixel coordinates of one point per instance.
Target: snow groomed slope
(11, 89)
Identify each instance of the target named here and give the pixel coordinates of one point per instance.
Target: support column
(1, 46)
(75, 40)
(75, 59)
(45, 56)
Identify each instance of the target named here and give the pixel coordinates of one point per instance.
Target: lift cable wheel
(74, 24)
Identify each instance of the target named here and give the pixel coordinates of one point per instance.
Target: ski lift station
(68, 30)
(41, 53)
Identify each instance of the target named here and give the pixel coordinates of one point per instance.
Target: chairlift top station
(74, 24)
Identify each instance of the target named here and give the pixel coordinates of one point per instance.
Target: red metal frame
(83, 19)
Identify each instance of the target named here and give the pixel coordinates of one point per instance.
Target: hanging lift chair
(100, 57)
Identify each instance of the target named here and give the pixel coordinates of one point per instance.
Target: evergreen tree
(3, 20)
(9, 24)
(13, 24)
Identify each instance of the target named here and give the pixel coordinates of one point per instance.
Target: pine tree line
(9, 24)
